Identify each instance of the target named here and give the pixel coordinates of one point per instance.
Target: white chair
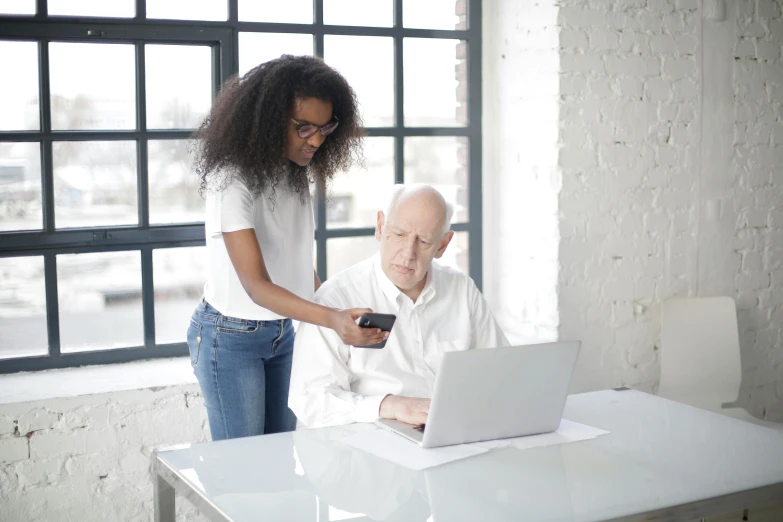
(700, 356)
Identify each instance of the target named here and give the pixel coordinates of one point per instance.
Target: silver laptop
(495, 393)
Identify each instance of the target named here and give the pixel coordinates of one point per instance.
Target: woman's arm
(248, 261)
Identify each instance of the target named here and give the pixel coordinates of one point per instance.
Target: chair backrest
(700, 352)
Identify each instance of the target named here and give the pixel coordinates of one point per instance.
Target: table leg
(164, 500)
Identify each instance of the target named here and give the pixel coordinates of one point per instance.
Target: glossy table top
(658, 457)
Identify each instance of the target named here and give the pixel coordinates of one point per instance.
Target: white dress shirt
(332, 383)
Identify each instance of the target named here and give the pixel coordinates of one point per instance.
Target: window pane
(17, 7)
(355, 197)
(188, 9)
(290, 11)
(19, 98)
(22, 307)
(435, 14)
(179, 85)
(436, 102)
(373, 13)
(94, 183)
(344, 252)
(173, 191)
(20, 186)
(179, 275)
(114, 8)
(92, 86)
(100, 301)
(456, 254)
(367, 62)
(257, 48)
(443, 163)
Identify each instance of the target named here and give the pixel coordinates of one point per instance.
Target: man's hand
(344, 323)
(412, 410)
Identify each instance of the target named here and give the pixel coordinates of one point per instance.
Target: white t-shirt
(284, 230)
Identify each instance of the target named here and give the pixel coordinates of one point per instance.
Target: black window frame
(222, 37)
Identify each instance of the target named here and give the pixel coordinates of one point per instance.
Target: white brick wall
(667, 178)
(641, 131)
(520, 202)
(87, 458)
(757, 163)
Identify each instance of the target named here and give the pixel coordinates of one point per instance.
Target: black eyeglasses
(305, 130)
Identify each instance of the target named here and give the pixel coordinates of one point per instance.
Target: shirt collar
(389, 289)
(428, 292)
(393, 293)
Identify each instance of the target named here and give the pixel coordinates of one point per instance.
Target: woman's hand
(344, 323)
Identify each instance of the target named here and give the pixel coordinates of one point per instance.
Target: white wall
(521, 176)
(629, 135)
(87, 458)
(670, 147)
(755, 213)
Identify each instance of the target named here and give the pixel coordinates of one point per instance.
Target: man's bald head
(424, 195)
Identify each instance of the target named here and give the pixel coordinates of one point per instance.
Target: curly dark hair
(245, 132)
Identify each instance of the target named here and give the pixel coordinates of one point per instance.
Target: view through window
(101, 223)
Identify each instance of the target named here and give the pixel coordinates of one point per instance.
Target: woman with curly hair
(286, 124)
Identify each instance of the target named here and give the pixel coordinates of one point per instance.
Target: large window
(101, 224)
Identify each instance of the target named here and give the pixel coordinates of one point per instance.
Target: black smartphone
(382, 321)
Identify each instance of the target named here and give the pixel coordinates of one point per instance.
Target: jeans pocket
(232, 325)
(194, 341)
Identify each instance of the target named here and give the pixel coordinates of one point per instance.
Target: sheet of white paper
(567, 432)
(395, 448)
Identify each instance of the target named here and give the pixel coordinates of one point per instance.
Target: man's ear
(379, 225)
(444, 243)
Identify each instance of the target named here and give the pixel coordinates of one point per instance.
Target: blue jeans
(243, 368)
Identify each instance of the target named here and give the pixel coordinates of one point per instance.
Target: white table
(661, 459)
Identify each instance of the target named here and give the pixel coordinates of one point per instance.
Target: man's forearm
(334, 407)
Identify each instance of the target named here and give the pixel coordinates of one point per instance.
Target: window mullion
(148, 297)
(52, 304)
(142, 180)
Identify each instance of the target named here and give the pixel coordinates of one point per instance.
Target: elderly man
(438, 309)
